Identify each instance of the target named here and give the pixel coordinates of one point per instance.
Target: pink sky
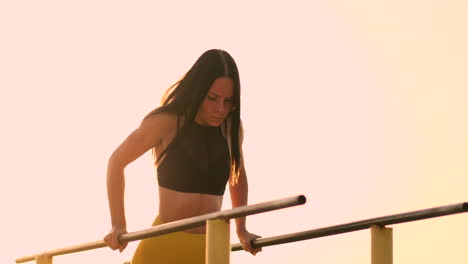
(359, 105)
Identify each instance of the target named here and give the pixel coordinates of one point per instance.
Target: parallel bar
(180, 225)
(200, 220)
(360, 225)
(65, 250)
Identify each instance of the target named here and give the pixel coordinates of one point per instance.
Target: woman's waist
(174, 206)
(193, 233)
(166, 216)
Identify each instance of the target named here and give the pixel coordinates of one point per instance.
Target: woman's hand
(245, 238)
(112, 239)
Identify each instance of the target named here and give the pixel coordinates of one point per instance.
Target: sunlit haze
(359, 105)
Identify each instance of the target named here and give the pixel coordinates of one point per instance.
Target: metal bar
(65, 250)
(200, 220)
(381, 245)
(360, 225)
(218, 247)
(180, 225)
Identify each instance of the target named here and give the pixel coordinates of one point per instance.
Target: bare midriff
(174, 205)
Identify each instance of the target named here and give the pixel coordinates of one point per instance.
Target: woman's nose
(220, 107)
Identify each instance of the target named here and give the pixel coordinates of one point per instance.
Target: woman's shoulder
(161, 120)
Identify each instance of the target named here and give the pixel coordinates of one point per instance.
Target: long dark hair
(186, 95)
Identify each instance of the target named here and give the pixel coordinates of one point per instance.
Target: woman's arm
(239, 188)
(239, 196)
(149, 134)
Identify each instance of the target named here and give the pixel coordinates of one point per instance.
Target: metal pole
(381, 245)
(356, 226)
(44, 259)
(218, 245)
(180, 225)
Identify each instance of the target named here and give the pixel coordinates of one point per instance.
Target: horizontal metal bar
(200, 220)
(360, 225)
(180, 225)
(65, 250)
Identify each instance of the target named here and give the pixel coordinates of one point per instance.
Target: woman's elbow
(115, 163)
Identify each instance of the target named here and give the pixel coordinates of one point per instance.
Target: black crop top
(198, 161)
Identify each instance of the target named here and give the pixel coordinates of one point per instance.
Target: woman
(196, 138)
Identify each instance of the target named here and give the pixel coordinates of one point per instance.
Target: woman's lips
(218, 119)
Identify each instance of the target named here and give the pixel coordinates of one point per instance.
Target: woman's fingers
(253, 250)
(112, 241)
(248, 247)
(123, 246)
(247, 243)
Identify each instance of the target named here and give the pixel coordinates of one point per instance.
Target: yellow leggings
(174, 248)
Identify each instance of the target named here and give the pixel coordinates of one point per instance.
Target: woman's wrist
(241, 230)
(119, 226)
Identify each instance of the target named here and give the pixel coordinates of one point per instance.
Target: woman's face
(217, 104)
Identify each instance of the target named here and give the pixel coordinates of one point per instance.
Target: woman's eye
(211, 98)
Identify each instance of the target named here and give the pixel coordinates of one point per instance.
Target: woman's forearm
(115, 194)
(239, 197)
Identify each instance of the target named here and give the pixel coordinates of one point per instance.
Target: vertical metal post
(44, 259)
(382, 245)
(218, 245)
